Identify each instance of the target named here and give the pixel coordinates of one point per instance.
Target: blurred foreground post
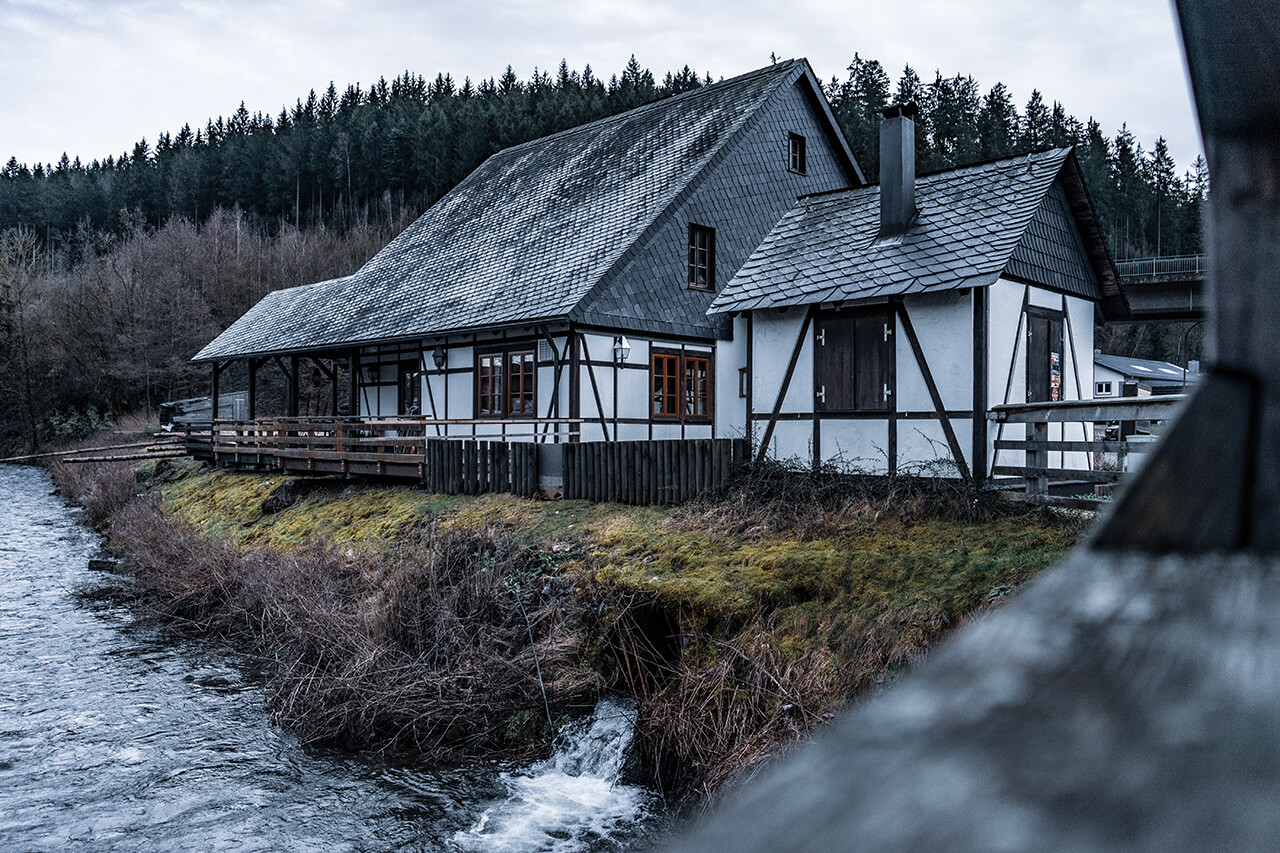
(1130, 698)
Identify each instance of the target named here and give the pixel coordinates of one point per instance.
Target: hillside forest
(114, 272)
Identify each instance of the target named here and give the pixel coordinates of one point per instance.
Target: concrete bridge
(1164, 289)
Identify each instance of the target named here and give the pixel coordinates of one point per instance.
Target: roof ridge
(652, 105)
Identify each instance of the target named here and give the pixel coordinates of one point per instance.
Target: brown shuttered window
(681, 386)
(702, 257)
(506, 384)
(853, 361)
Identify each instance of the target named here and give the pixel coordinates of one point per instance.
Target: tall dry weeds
(426, 647)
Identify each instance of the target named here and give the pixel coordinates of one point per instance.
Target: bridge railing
(1167, 265)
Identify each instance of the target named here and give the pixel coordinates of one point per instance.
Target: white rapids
(573, 801)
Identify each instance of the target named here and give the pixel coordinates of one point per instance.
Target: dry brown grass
(425, 647)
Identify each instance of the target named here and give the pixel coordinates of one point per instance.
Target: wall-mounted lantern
(437, 357)
(621, 349)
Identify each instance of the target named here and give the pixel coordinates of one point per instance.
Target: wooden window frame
(494, 387)
(684, 397)
(797, 156)
(702, 257)
(409, 372)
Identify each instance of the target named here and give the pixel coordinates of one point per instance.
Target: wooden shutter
(833, 363)
(873, 340)
(853, 353)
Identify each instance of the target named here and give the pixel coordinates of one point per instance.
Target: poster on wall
(1055, 376)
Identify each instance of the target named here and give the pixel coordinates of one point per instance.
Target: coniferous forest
(114, 272)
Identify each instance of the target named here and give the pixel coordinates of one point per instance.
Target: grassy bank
(459, 626)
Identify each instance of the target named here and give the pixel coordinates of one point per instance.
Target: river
(114, 735)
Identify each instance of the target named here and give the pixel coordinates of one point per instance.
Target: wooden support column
(353, 373)
(575, 385)
(1213, 483)
(252, 388)
(217, 369)
(294, 387)
(981, 391)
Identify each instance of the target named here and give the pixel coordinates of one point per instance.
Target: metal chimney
(897, 169)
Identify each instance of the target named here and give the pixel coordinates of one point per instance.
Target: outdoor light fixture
(438, 357)
(371, 376)
(621, 348)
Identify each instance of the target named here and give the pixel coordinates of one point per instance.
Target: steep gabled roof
(525, 236)
(971, 221)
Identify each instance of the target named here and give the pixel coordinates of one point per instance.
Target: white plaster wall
(856, 445)
(923, 449)
(943, 323)
(791, 440)
(730, 409)
(775, 334)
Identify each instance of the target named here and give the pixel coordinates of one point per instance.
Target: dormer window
(795, 157)
(702, 257)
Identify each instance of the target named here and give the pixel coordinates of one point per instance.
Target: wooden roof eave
(1114, 305)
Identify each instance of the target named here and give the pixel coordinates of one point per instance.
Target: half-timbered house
(560, 292)
(883, 323)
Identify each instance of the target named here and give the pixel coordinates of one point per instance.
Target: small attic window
(795, 156)
(702, 257)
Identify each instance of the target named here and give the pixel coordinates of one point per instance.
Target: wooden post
(1038, 484)
(294, 388)
(253, 388)
(353, 392)
(217, 369)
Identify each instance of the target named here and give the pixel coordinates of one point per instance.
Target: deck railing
(1109, 459)
(636, 472)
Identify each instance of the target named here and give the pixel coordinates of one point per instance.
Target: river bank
(390, 617)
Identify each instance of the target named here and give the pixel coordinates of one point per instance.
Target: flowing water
(116, 736)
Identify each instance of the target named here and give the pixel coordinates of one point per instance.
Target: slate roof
(827, 248)
(525, 237)
(1160, 375)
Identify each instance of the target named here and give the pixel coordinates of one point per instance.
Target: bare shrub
(427, 647)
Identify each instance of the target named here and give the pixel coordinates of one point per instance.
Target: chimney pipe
(897, 169)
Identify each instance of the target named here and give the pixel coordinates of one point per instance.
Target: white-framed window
(1102, 389)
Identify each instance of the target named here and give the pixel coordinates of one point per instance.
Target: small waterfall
(573, 800)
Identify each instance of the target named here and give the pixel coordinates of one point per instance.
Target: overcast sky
(91, 77)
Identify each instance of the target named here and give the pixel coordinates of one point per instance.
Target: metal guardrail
(1168, 265)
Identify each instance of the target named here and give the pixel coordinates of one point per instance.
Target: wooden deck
(523, 462)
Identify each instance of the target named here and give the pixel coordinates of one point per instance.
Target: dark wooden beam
(786, 384)
(595, 389)
(947, 429)
(981, 388)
